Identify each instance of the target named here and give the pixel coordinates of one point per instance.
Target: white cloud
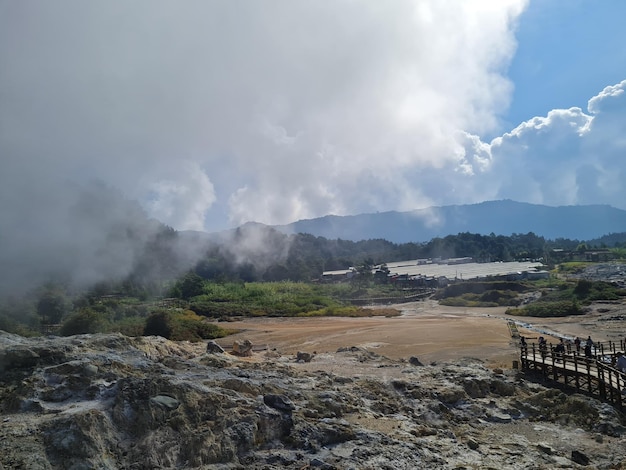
(599, 102)
(181, 197)
(567, 157)
(213, 111)
(291, 109)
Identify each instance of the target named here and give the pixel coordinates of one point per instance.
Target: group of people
(619, 361)
(588, 346)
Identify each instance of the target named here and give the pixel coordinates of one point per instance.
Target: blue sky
(568, 50)
(212, 113)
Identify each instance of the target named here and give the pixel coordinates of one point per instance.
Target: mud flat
(428, 331)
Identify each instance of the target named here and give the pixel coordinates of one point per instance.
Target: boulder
(166, 402)
(213, 348)
(579, 458)
(242, 348)
(18, 357)
(279, 402)
(303, 356)
(414, 361)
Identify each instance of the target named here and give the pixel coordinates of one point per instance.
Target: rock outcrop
(112, 402)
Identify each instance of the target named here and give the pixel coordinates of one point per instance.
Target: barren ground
(426, 330)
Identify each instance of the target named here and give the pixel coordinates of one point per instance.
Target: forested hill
(497, 217)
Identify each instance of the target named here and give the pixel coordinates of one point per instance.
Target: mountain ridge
(504, 217)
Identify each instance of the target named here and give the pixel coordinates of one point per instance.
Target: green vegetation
(573, 267)
(276, 280)
(568, 298)
(482, 294)
(557, 297)
(84, 321)
(284, 299)
(181, 326)
(548, 309)
(186, 316)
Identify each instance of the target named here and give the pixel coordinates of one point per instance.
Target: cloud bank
(568, 157)
(216, 112)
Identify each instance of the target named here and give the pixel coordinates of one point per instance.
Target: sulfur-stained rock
(279, 402)
(109, 402)
(17, 357)
(242, 348)
(213, 348)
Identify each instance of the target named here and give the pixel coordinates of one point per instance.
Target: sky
(212, 113)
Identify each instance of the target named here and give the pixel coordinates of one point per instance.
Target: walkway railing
(592, 374)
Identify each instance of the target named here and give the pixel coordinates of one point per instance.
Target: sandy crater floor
(428, 331)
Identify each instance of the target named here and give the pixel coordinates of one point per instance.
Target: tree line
(304, 257)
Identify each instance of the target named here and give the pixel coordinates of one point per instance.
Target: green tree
(51, 307)
(82, 322)
(276, 272)
(364, 272)
(189, 286)
(583, 288)
(158, 324)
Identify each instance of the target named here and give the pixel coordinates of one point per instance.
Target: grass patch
(181, 326)
(547, 309)
(284, 299)
(573, 267)
(351, 311)
(482, 294)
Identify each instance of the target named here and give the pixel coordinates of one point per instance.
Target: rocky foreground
(113, 402)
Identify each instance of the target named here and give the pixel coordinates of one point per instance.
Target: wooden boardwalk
(594, 375)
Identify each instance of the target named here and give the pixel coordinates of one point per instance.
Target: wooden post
(576, 373)
(619, 388)
(610, 384)
(601, 385)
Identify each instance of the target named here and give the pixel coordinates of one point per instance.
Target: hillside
(500, 217)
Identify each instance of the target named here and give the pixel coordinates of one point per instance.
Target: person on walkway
(559, 349)
(577, 344)
(588, 345)
(543, 347)
(621, 362)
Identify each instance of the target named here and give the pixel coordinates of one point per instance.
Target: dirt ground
(428, 331)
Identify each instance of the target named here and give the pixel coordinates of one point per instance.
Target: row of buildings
(440, 272)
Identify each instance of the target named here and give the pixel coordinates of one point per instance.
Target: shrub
(158, 324)
(478, 287)
(132, 326)
(181, 326)
(84, 321)
(548, 309)
(583, 287)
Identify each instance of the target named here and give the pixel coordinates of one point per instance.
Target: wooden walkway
(592, 375)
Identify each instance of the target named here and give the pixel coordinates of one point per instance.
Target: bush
(132, 326)
(158, 324)
(181, 326)
(548, 309)
(479, 287)
(82, 322)
(189, 286)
